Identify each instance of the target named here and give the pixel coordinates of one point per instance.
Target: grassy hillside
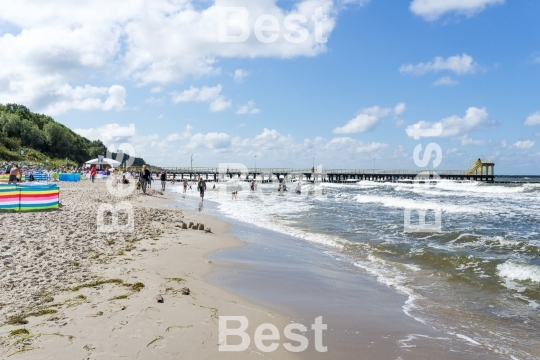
(41, 138)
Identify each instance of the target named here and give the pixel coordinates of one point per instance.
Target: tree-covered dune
(41, 137)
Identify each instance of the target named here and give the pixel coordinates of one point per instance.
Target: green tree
(12, 125)
(31, 136)
(59, 139)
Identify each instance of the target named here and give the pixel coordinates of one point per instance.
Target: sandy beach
(70, 292)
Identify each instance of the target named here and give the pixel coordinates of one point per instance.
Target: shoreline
(302, 280)
(111, 318)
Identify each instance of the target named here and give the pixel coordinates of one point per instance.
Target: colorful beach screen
(28, 197)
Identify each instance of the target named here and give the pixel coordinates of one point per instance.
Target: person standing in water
(163, 178)
(185, 185)
(201, 187)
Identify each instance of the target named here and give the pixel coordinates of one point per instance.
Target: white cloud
(156, 89)
(210, 141)
(205, 94)
(453, 125)
(523, 145)
(240, 75)
(85, 98)
(248, 109)
(109, 133)
(368, 119)
(446, 81)
(400, 108)
(360, 124)
(458, 64)
(361, 148)
(178, 137)
(466, 140)
(220, 104)
(433, 9)
(59, 43)
(533, 119)
(270, 145)
(211, 95)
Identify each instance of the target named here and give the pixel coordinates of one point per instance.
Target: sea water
(477, 279)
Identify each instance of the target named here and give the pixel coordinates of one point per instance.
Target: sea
(474, 268)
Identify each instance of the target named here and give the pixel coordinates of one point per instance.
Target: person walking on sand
(93, 173)
(144, 175)
(150, 179)
(163, 180)
(202, 187)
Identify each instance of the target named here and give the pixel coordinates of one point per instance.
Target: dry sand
(44, 256)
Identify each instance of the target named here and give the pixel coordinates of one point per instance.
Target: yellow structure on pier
(480, 165)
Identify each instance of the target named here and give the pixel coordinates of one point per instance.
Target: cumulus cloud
(59, 43)
(210, 141)
(522, 145)
(108, 133)
(64, 97)
(453, 125)
(400, 108)
(248, 109)
(178, 137)
(459, 64)
(270, 145)
(239, 75)
(432, 10)
(211, 95)
(446, 81)
(533, 119)
(368, 119)
(466, 141)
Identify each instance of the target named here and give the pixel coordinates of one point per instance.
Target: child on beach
(185, 185)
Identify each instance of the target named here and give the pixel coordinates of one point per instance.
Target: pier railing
(215, 170)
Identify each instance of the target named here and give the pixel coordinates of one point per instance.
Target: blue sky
(154, 75)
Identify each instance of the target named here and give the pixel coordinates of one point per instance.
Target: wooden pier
(328, 175)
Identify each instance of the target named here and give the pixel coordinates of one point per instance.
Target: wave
(518, 271)
(404, 203)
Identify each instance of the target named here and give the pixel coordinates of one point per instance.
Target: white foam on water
(466, 338)
(271, 211)
(521, 272)
(404, 203)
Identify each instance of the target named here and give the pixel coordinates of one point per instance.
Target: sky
(342, 83)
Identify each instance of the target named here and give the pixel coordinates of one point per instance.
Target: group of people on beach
(145, 179)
